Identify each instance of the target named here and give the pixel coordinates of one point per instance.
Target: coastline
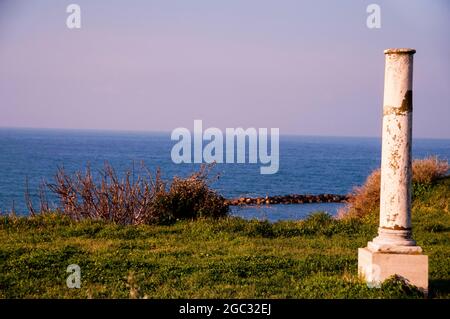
(288, 199)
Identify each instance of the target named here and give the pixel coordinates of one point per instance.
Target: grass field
(227, 258)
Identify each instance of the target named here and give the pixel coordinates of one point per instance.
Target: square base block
(376, 267)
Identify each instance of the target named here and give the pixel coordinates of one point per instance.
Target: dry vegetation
(365, 199)
(133, 200)
(428, 170)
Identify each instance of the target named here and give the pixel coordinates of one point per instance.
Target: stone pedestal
(375, 267)
(394, 250)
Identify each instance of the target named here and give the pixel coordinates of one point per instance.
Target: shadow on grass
(439, 287)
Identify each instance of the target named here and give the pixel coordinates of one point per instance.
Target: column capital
(400, 51)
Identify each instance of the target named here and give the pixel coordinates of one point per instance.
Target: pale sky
(305, 67)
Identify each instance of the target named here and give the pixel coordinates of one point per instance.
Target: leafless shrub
(133, 200)
(43, 202)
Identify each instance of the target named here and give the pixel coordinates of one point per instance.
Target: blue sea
(308, 165)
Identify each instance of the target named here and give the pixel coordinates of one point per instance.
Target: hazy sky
(306, 67)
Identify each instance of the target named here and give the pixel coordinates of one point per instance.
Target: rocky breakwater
(288, 199)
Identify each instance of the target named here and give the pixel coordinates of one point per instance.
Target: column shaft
(396, 169)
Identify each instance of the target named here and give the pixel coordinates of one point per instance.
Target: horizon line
(168, 132)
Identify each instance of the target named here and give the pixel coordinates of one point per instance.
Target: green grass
(228, 258)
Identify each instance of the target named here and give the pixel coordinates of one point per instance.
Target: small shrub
(365, 200)
(399, 287)
(190, 198)
(427, 170)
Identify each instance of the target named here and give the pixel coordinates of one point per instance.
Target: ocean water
(308, 164)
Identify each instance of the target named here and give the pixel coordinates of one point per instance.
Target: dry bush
(427, 170)
(123, 201)
(365, 199)
(129, 200)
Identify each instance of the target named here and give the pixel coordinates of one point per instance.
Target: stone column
(394, 244)
(394, 233)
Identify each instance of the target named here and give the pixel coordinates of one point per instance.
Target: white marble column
(394, 233)
(393, 251)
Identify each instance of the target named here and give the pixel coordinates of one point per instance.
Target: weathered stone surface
(394, 251)
(376, 267)
(396, 168)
